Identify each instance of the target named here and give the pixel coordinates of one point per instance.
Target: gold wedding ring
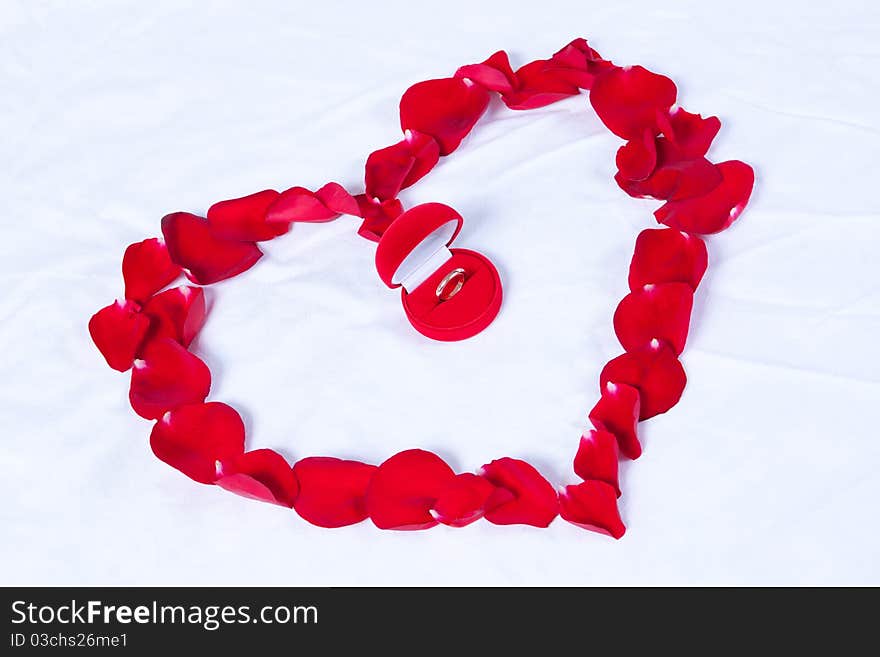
(451, 284)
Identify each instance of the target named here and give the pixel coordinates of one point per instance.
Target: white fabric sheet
(114, 114)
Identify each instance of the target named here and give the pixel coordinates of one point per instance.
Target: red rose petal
(463, 500)
(195, 438)
(687, 179)
(628, 100)
(178, 313)
(146, 269)
(335, 198)
(534, 500)
(244, 219)
(391, 169)
(675, 176)
(664, 255)
(539, 83)
(576, 54)
(655, 372)
(261, 475)
(205, 258)
(494, 74)
(592, 505)
(578, 57)
(617, 412)
(446, 109)
(118, 331)
(716, 210)
(385, 170)
(598, 457)
(404, 489)
(426, 154)
(661, 311)
(637, 159)
(299, 204)
(691, 133)
(332, 492)
(168, 376)
(377, 215)
(579, 63)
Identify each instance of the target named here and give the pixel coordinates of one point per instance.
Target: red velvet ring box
(414, 255)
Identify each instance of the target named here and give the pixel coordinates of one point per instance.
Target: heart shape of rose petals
(663, 157)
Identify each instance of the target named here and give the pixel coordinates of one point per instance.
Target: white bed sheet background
(114, 114)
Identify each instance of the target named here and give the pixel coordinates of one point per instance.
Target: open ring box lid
(414, 254)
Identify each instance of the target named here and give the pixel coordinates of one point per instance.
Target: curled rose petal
(598, 458)
(655, 372)
(716, 210)
(691, 133)
(244, 219)
(617, 412)
(579, 63)
(335, 197)
(377, 216)
(260, 475)
(637, 158)
(675, 176)
(166, 377)
(446, 109)
(534, 501)
(405, 488)
(660, 311)
(178, 313)
(592, 505)
(664, 255)
(118, 331)
(426, 153)
(196, 438)
(299, 204)
(205, 258)
(391, 169)
(332, 492)
(146, 269)
(463, 500)
(494, 74)
(539, 83)
(629, 100)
